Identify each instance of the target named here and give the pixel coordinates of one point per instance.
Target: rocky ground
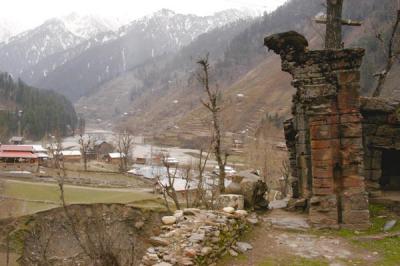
(197, 237)
(285, 238)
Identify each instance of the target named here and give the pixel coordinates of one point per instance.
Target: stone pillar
(327, 119)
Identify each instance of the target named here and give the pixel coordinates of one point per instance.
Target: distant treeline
(43, 111)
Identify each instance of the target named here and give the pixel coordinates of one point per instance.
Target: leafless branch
(391, 56)
(214, 106)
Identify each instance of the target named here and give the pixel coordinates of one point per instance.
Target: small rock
(243, 246)
(191, 211)
(389, 225)
(167, 220)
(139, 225)
(233, 253)
(151, 258)
(195, 237)
(178, 213)
(229, 209)
(151, 250)
(252, 220)
(190, 252)
(241, 213)
(185, 261)
(278, 204)
(158, 241)
(163, 264)
(205, 251)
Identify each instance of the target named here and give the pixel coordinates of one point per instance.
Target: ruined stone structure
(381, 142)
(324, 137)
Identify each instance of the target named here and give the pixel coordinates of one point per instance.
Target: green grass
(51, 192)
(36, 197)
(387, 248)
(379, 216)
(14, 208)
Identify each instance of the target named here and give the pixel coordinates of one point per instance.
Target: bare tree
(201, 196)
(213, 104)
(168, 188)
(391, 55)
(94, 237)
(86, 143)
(186, 173)
(124, 143)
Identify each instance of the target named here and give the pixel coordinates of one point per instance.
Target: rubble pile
(197, 237)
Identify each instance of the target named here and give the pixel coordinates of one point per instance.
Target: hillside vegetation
(43, 111)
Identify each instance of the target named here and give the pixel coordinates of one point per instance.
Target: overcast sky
(29, 13)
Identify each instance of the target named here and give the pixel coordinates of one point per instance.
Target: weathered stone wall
(381, 131)
(196, 237)
(327, 148)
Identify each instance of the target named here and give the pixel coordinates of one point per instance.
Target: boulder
(234, 187)
(167, 220)
(229, 209)
(241, 213)
(230, 200)
(253, 190)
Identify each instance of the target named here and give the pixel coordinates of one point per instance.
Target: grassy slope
(37, 197)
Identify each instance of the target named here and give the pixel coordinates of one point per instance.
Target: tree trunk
(218, 154)
(333, 36)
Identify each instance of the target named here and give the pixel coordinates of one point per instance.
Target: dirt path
(282, 238)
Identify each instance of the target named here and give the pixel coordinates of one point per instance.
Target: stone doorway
(390, 179)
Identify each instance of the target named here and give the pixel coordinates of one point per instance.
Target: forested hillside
(43, 111)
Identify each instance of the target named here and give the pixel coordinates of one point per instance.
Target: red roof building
(25, 148)
(16, 152)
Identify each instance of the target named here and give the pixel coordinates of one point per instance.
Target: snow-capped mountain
(94, 50)
(161, 33)
(30, 47)
(20, 55)
(182, 28)
(88, 26)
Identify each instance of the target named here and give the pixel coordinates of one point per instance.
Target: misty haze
(223, 132)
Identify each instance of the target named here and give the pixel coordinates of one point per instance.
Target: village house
(102, 148)
(114, 157)
(140, 160)
(71, 155)
(15, 140)
(185, 190)
(18, 154)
